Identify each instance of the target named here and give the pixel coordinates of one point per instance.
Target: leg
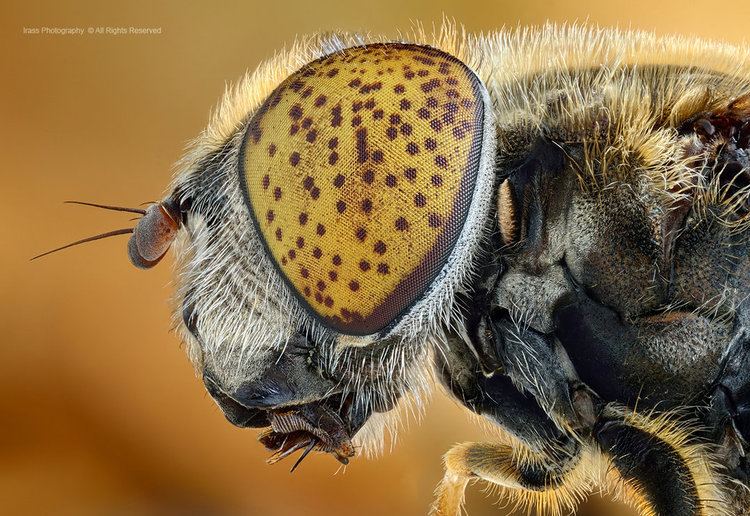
(538, 464)
(553, 481)
(658, 466)
(651, 461)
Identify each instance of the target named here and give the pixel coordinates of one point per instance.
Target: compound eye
(361, 172)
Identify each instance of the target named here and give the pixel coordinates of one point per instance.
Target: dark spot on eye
(449, 116)
(315, 192)
(391, 133)
(424, 113)
(270, 215)
(390, 180)
(436, 125)
(308, 182)
(333, 275)
(357, 106)
(361, 234)
(410, 173)
(379, 247)
(434, 220)
(333, 158)
(300, 242)
(367, 205)
(321, 285)
(399, 88)
(441, 161)
(293, 129)
(355, 83)
(311, 136)
(307, 291)
(354, 286)
(420, 200)
(328, 301)
(336, 260)
(295, 112)
(333, 143)
(377, 156)
(336, 117)
(453, 94)
(278, 234)
(304, 272)
(340, 206)
(404, 104)
(394, 119)
(406, 129)
(292, 254)
(320, 101)
(318, 297)
(383, 268)
(302, 219)
(338, 181)
(265, 182)
(370, 104)
(306, 123)
(332, 72)
(357, 120)
(361, 138)
(377, 114)
(277, 193)
(432, 102)
(317, 253)
(412, 148)
(364, 265)
(437, 180)
(272, 150)
(430, 144)
(369, 176)
(294, 159)
(402, 224)
(430, 85)
(320, 230)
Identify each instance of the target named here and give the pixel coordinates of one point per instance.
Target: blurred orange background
(101, 411)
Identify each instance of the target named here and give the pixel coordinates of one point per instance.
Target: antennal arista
(151, 237)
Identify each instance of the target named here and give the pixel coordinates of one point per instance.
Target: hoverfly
(551, 223)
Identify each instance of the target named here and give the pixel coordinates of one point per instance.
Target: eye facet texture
(359, 171)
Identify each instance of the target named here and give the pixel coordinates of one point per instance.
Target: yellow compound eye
(359, 172)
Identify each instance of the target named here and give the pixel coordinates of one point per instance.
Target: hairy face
(327, 235)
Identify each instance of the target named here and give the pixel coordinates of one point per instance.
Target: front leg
(651, 461)
(537, 465)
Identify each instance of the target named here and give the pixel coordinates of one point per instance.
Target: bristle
(125, 231)
(107, 207)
